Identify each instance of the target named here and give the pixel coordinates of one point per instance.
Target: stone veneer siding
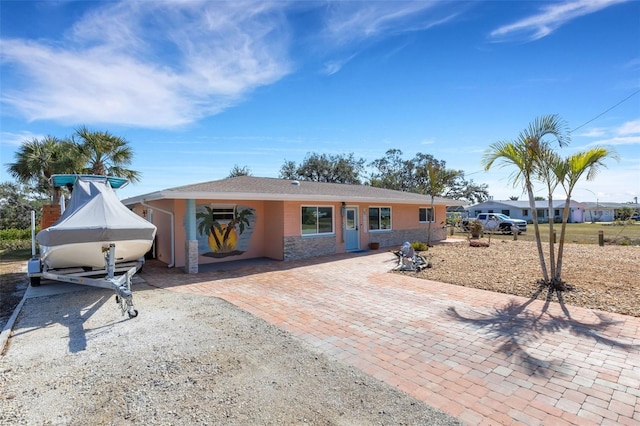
(397, 238)
(304, 247)
(191, 252)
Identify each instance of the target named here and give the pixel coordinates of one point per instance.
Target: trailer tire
(133, 313)
(35, 281)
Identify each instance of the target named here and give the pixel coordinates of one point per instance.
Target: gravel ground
(195, 360)
(74, 360)
(604, 278)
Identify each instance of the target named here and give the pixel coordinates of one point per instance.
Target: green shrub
(15, 234)
(12, 245)
(419, 246)
(15, 239)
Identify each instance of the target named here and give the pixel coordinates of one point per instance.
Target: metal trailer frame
(121, 284)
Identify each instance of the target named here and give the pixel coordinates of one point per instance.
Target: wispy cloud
(551, 17)
(618, 140)
(627, 133)
(112, 66)
(595, 132)
(166, 63)
(333, 66)
(17, 139)
(354, 21)
(630, 127)
(355, 25)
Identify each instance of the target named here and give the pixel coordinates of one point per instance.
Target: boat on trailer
(96, 236)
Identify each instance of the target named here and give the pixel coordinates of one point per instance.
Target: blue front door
(351, 229)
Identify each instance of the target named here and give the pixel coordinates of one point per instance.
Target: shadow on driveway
(515, 328)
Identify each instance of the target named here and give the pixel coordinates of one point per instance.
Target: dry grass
(604, 278)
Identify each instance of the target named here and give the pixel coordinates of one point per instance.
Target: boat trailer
(121, 284)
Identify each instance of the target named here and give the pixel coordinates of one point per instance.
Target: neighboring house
(250, 217)
(522, 210)
(604, 212)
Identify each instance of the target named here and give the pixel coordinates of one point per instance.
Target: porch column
(191, 243)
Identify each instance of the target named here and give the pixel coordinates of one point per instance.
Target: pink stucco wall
(276, 220)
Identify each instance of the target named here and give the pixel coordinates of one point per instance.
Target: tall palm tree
(37, 160)
(525, 153)
(568, 173)
(106, 154)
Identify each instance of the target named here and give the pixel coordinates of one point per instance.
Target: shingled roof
(260, 188)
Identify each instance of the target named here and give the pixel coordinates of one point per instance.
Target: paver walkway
(483, 357)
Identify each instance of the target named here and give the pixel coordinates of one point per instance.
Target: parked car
(497, 222)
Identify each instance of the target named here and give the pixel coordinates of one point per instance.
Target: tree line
(102, 153)
(531, 154)
(391, 172)
(85, 152)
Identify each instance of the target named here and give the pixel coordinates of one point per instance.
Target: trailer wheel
(35, 281)
(117, 299)
(133, 313)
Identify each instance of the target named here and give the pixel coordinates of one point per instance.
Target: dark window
(425, 214)
(379, 218)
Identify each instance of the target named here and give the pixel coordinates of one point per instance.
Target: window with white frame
(379, 218)
(425, 214)
(317, 220)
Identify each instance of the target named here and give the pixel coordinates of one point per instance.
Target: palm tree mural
(222, 238)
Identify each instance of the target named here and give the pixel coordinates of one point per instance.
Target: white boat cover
(95, 214)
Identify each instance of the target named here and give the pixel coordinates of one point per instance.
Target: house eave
(252, 196)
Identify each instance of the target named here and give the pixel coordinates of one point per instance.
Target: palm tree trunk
(231, 225)
(55, 195)
(215, 237)
(565, 219)
(431, 219)
(534, 214)
(552, 258)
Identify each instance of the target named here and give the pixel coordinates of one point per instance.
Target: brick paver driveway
(483, 357)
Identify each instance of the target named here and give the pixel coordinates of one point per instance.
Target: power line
(603, 113)
(584, 124)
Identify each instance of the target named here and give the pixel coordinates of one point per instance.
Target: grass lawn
(583, 233)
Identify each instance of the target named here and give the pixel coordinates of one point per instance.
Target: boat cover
(95, 214)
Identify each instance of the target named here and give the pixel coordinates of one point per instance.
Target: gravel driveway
(74, 360)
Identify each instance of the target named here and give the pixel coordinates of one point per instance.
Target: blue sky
(197, 87)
